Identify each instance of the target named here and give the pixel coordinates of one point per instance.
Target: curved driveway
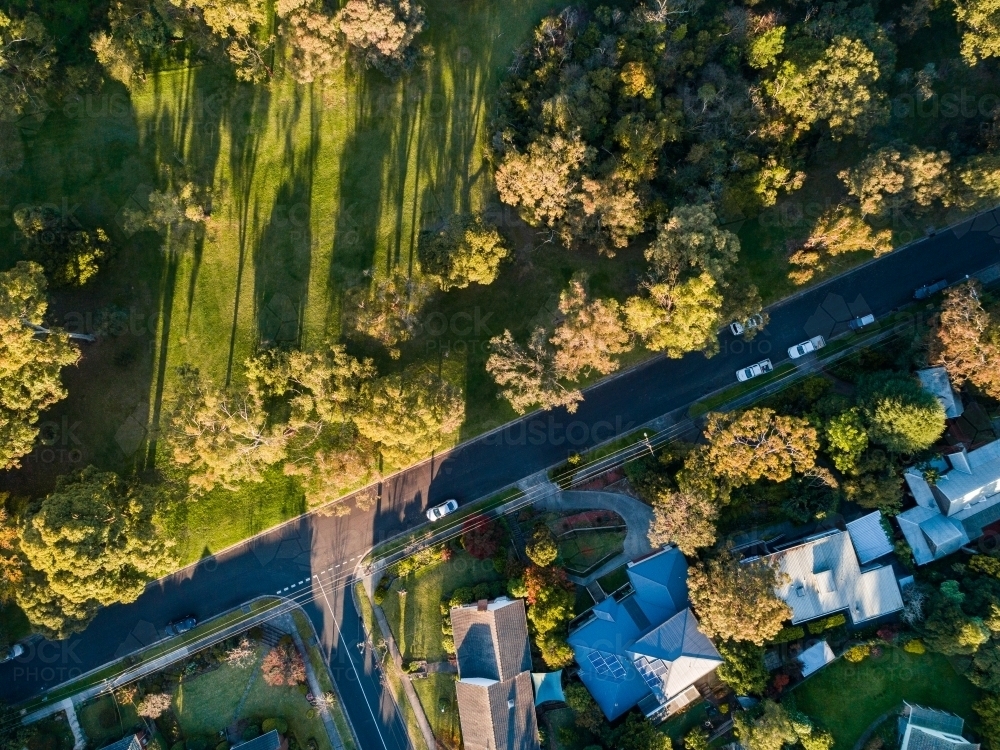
(290, 555)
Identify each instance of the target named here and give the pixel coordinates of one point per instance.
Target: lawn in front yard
(437, 696)
(415, 619)
(581, 551)
(206, 704)
(846, 698)
(105, 722)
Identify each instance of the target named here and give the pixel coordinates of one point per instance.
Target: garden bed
(584, 551)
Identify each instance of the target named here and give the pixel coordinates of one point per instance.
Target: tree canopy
(754, 444)
(93, 542)
(30, 365)
(902, 415)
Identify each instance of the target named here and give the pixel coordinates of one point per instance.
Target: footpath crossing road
(315, 554)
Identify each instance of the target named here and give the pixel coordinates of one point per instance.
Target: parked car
(754, 370)
(800, 350)
(440, 511)
(929, 289)
(6, 654)
(738, 327)
(182, 625)
(858, 323)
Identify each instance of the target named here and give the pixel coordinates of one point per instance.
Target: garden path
(637, 516)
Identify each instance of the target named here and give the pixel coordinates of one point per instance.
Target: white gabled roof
(823, 576)
(869, 537)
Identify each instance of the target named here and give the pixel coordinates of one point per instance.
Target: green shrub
(380, 591)
(833, 621)
(481, 591)
(916, 646)
(277, 723)
(177, 745)
(460, 596)
(250, 733)
(857, 653)
(221, 746)
(789, 633)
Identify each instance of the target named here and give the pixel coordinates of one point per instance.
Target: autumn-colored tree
(978, 183)
(683, 518)
(481, 537)
(222, 436)
(677, 319)
(11, 573)
(27, 59)
(238, 25)
(466, 250)
(590, 335)
(283, 665)
(541, 182)
(690, 241)
(839, 230)
(899, 177)
(154, 705)
(840, 88)
(314, 38)
(736, 600)
(93, 542)
(179, 216)
(381, 33)
(388, 311)
(980, 24)
(409, 413)
(527, 377)
(30, 366)
(754, 444)
(542, 549)
(967, 340)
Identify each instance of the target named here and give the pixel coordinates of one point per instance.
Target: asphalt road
(314, 554)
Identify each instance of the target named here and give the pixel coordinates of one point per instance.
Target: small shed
(815, 657)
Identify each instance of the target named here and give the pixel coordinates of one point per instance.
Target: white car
(800, 350)
(737, 327)
(440, 511)
(754, 370)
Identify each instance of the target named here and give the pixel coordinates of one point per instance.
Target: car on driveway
(928, 290)
(6, 654)
(182, 625)
(800, 350)
(753, 371)
(440, 511)
(858, 323)
(738, 327)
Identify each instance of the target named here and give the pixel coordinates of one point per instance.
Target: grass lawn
(845, 698)
(583, 550)
(50, 734)
(208, 703)
(104, 720)
(395, 680)
(437, 696)
(415, 619)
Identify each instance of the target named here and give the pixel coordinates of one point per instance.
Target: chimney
(482, 605)
(960, 461)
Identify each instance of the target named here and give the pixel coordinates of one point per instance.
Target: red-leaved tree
(481, 537)
(283, 665)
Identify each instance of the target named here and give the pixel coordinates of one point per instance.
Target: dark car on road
(928, 290)
(182, 625)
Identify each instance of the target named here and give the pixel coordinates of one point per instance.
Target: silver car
(753, 371)
(440, 511)
(800, 350)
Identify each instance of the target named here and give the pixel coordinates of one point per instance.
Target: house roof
(935, 381)
(645, 648)
(268, 741)
(491, 642)
(869, 538)
(815, 657)
(497, 715)
(823, 576)
(929, 729)
(131, 742)
(496, 703)
(972, 473)
(930, 534)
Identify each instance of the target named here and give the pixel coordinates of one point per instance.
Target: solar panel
(597, 659)
(617, 670)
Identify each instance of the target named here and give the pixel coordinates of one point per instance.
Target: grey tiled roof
(496, 702)
(940, 721)
(125, 743)
(269, 741)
